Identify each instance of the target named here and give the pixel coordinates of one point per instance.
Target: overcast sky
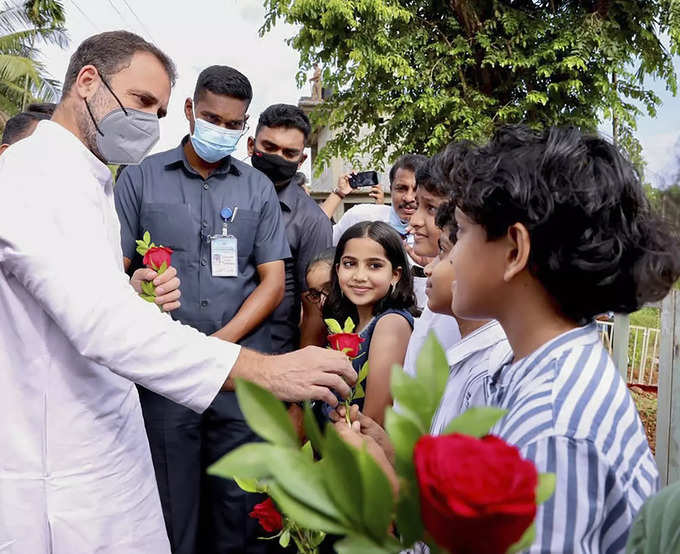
(198, 33)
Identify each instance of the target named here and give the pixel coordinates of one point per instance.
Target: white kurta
(75, 469)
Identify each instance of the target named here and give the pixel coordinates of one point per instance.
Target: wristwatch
(339, 193)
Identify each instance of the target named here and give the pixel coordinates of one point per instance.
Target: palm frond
(13, 16)
(23, 24)
(19, 42)
(13, 67)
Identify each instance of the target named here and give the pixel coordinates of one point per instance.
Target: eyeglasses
(315, 295)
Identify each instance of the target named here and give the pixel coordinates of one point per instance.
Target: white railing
(643, 352)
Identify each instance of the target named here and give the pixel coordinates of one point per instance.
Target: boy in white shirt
(432, 190)
(483, 346)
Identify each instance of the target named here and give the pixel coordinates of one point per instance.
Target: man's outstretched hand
(308, 374)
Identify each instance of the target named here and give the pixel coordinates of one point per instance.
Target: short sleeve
(589, 511)
(271, 242)
(127, 195)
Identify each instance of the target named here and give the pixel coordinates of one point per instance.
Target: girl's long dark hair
(402, 296)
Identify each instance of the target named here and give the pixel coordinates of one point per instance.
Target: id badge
(224, 256)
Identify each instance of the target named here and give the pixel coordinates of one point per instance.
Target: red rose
(348, 341)
(268, 516)
(477, 495)
(155, 257)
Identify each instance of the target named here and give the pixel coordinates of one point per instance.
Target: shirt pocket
(170, 225)
(244, 228)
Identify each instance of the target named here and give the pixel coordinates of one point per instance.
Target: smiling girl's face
(364, 272)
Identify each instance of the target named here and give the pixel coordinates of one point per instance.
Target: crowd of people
(506, 252)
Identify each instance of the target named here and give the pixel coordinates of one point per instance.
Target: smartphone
(363, 179)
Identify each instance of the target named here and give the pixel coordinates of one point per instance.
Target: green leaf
(249, 461)
(404, 434)
(357, 544)
(349, 325)
(148, 288)
(475, 422)
(250, 485)
(312, 428)
(265, 414)
(432, 369)
(412, 396)
(341, 476)
(525, 542)
(545, 487)
(302, 514)
(284, 539)
(333, 326)
(377, 496)
(655, 528)
(409, 522)
(308, 451)
(146, 237)
(363, 372)
(303, 480)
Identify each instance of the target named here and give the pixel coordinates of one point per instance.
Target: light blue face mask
(212, 142)
(398, 225)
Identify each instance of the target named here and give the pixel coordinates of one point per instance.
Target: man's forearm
(248, 365)
(257, 307)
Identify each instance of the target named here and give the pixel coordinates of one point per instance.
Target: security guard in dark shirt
(278, 151)
(222, 219)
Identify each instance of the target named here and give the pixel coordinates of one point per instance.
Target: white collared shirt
(444, 327)
(470, 360)
(75, 470)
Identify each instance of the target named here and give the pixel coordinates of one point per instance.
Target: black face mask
(278, 169)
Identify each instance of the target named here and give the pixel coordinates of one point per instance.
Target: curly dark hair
(402, 297)
(445, 219)
(596, 244)
(433, 174)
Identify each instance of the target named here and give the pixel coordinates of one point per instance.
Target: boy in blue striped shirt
(554, 229)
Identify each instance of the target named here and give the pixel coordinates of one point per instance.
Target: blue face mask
(212, 142)
(398, 225)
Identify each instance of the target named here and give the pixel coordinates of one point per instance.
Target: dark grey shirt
(309, 231)
(167, 197)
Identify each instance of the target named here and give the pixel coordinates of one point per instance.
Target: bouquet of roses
(157, 258)
(463, 492)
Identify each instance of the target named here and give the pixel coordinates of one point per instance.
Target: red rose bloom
(477, 496)
(155, 257)
(268, 516)
(349, 342)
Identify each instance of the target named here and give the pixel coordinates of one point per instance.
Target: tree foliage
(420, 73)
(23, 27)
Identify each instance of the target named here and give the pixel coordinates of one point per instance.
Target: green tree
(420, 73)
(23, 78)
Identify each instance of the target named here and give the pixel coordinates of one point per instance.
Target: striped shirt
(470, 361)
(570, 412)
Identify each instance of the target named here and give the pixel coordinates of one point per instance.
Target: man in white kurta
(75, 469)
